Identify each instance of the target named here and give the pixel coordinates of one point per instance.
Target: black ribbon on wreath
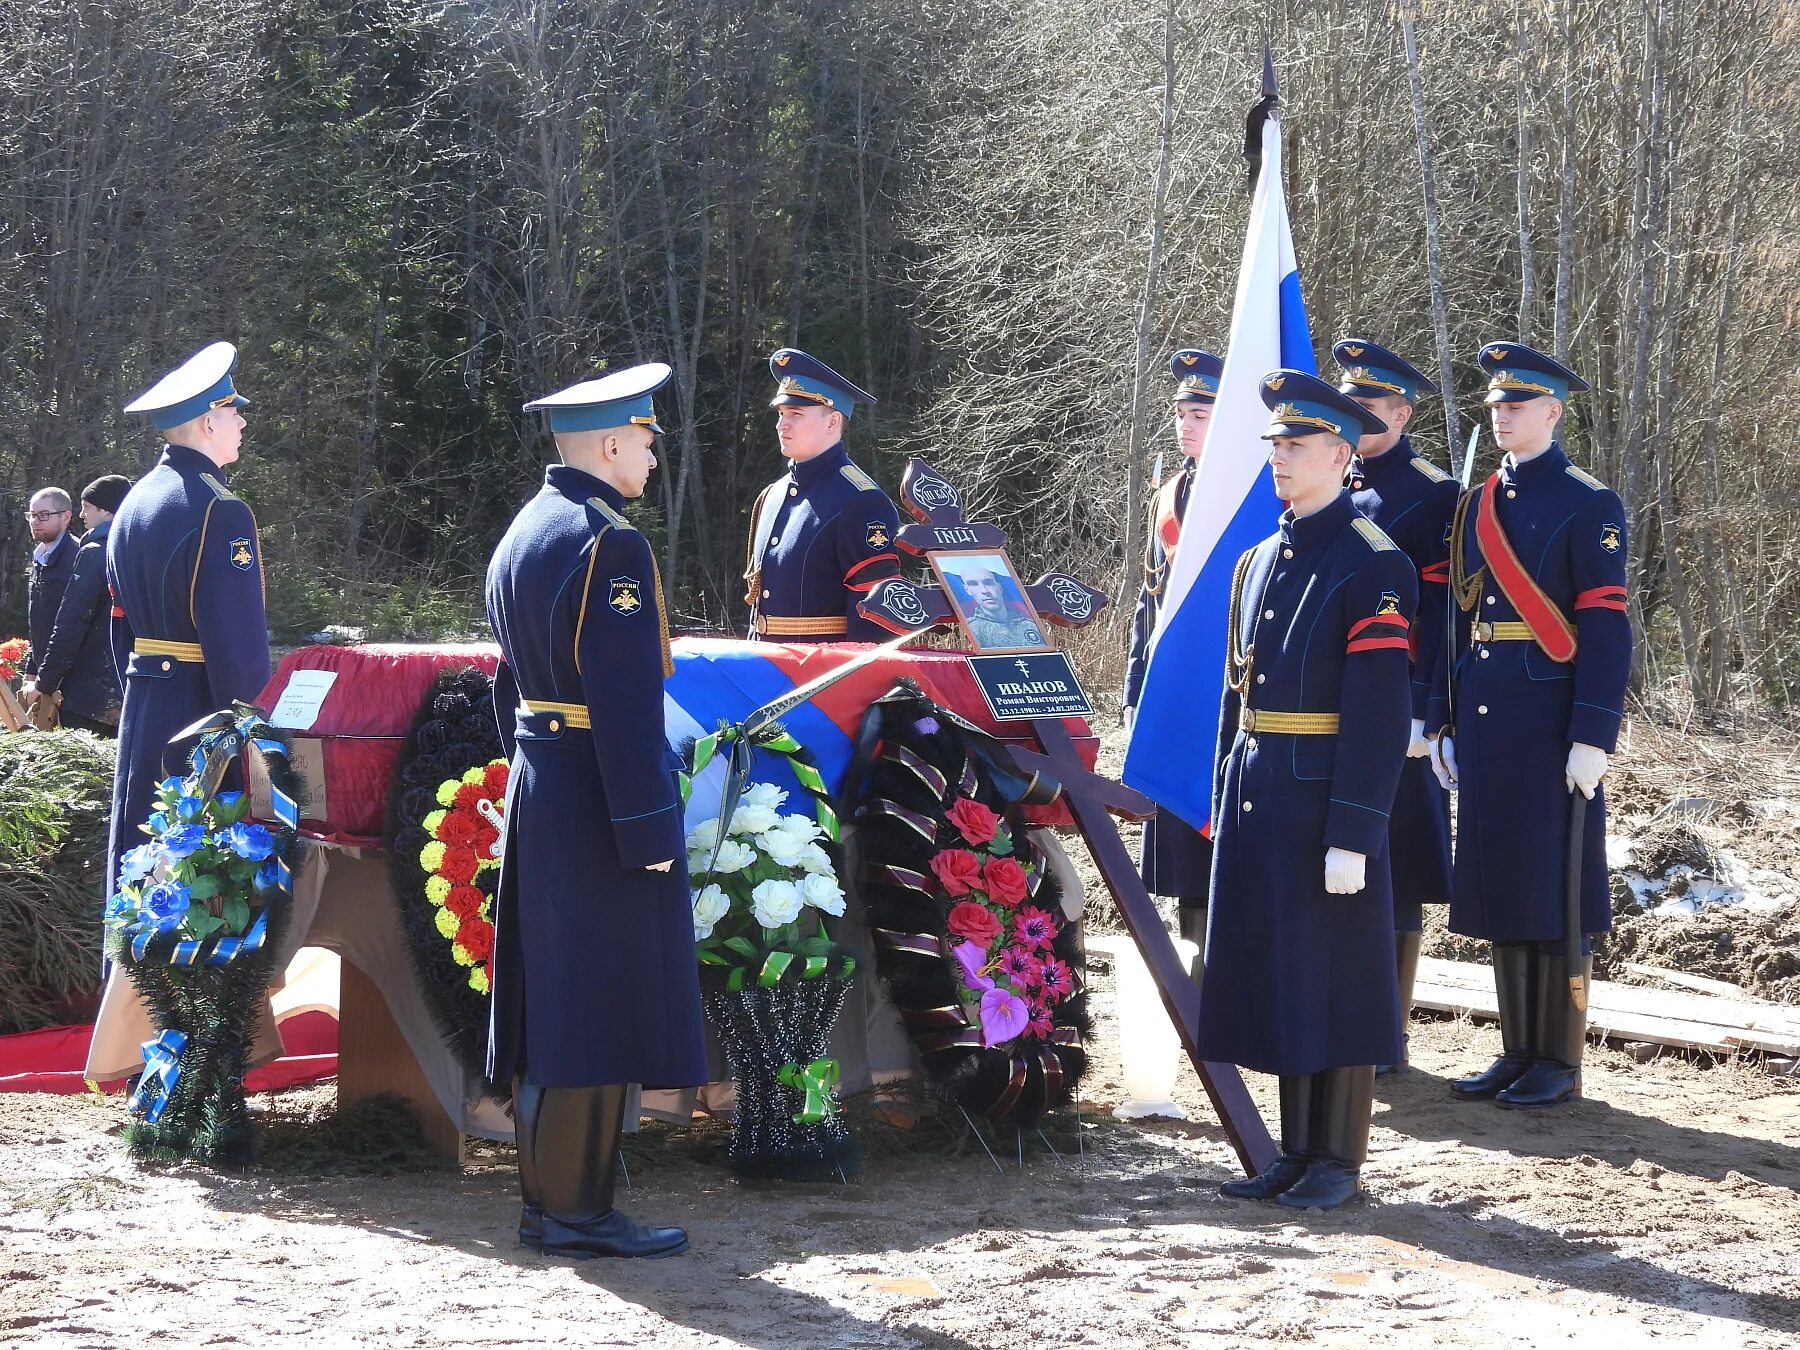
(202, 992)
(957, 942)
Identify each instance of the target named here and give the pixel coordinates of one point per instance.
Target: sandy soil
(1661, 1208)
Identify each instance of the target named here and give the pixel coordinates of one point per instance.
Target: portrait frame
(950, 566)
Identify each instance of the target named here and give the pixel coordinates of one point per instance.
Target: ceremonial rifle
(1468, 472)
(1578, 991)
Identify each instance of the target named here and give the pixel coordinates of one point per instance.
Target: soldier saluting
(1176, 858)
(822, 535)
(1537, 563)
(1312, 733)
(190, 634)
(1412, 500)
(595, 983)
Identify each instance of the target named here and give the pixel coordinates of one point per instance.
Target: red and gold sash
(1550, 628)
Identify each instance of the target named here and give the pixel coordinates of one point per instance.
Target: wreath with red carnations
(967, 920)
(445, 806)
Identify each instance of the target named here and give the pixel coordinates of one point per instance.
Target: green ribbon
(815, 1082)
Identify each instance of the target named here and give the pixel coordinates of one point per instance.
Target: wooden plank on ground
(1698, 983)
(1692, 1021)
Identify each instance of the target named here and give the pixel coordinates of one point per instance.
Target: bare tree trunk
(1434, 266)
(1527, 273)
(1134, 449)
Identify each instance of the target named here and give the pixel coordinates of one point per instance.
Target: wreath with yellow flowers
(445, 807)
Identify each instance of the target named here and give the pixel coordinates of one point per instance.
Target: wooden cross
(1093, 800)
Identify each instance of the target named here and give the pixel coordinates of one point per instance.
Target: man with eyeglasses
(52, 562)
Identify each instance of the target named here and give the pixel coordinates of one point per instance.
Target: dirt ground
(1661, 1208)
(1664, 1208)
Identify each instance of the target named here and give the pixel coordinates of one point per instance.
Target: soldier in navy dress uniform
(1176, 858)
(1412, 500)
(595, 980)
(189, 631)
(1312, 735)
(1530, 716)
(822, 535)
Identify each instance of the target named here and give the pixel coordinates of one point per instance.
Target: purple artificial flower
(1023, 969)
(972, 958)
(1058, 978)
(1003, 1016)
(1041, 1024)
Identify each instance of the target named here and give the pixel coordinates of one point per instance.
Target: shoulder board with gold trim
(1430, 470)
(1372, 535)
(857, 479)
(613, 518)
(219, 490)
(1582, 476)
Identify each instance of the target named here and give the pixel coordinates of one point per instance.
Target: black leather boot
(527, 1098)
(1406, 966)
(1340, 1141)
(577, 1152)
(1297, 1093)
(1193, 927)
(1515, 987)
(1555, 1073)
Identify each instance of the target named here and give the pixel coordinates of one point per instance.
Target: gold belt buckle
(1484, 631)
(1247, 719)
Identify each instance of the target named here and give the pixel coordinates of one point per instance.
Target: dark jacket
(78, 657)
(44, 593)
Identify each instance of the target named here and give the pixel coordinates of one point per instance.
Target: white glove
(1344, 871)
(1418, 747)
(1130, 716)
(1443, 762)
(1587, 766)
(661, 866)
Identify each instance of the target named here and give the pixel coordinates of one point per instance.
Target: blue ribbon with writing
(162, 1070)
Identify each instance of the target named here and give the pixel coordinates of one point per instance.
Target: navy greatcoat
(1412, 500)
(1517, 711)
(78, 659)
(1298, 979)
(1176, 858)
(185, 567)
(595, 977)
(831, 541)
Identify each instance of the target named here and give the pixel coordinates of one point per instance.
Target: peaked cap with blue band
(1517, 373)
(616, 400)
(1372, 371)
(807, 381)
(1196, 374)
(198, 385)
(1304, 405)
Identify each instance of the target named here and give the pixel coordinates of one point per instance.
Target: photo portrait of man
(990, 601)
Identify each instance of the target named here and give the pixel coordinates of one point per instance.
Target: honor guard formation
(1393, 639)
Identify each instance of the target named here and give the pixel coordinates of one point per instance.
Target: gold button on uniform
(1287, 552)
(793, 492)
(555, 725)
(167, 666)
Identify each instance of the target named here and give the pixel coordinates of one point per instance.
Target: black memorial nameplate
(1029, 685)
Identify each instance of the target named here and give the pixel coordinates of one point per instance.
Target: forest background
(999, 215)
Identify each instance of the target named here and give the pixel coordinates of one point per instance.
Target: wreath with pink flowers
(966, 917)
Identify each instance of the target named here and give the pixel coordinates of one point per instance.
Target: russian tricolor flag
(1231, 506)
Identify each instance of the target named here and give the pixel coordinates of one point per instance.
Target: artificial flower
(927, 726)
(957, 870)
(734, 856)
(268, 876)
(974, 922)
(437, 889)
(1003, 1015)
(465, 902)
(765, 794)
(250, 842)
(447, 923)
(164, 905)
(1059, 979)
(477, 937)
(823, 893)
(190, 808)
(775, 903)
(1021, 968)
(1034, 928)
(458, 827)
(1041, 1023)
(703, 836)
(138, 863)
(749, 818)
(446, 793)
(460, 864)
(710, 905)
(183, 841)
(1005, 881)
(785, 847)
(972, 959)
(973, 821)
(814, 859)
